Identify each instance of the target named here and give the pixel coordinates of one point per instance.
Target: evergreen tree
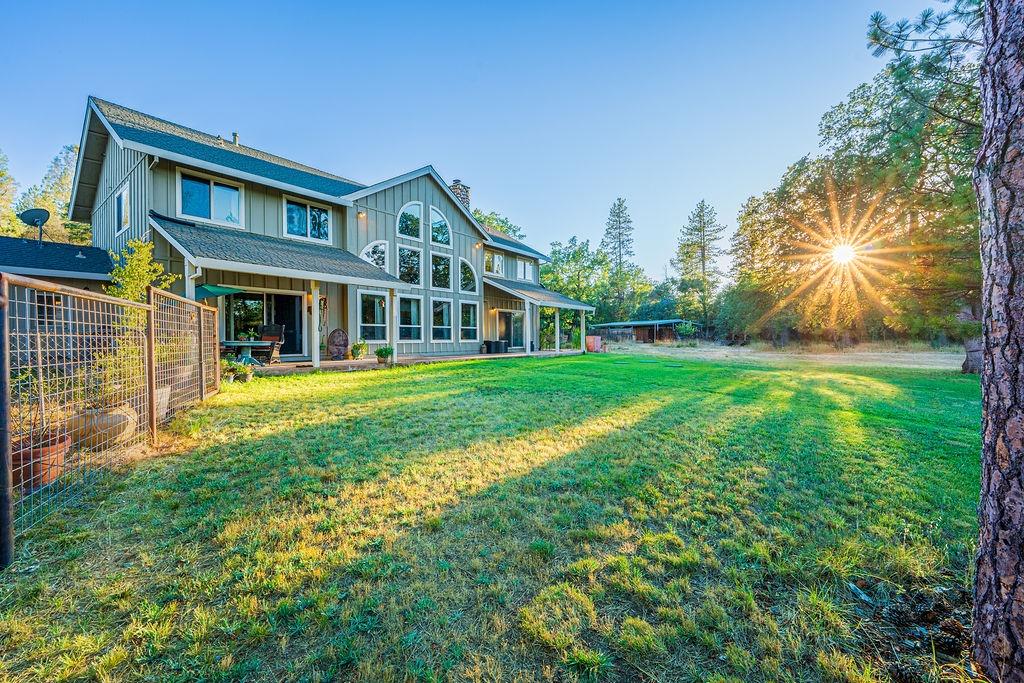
(10, 225)
(617, 243)
(695, 259)
(53, 193)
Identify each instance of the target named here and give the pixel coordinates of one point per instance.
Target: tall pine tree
(695, 259)
(617, 243)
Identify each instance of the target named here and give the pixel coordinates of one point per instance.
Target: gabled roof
(536, 294)
(512, 244)
(53, 259)
(209, 246)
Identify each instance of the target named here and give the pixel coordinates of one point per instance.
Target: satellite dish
(34, 217)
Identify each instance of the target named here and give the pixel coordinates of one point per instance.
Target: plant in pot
(227, 370)
(110, 388)
(41, 443)
(384, 354)
(243, 372)
(359, 349)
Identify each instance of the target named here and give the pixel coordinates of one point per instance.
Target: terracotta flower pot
(37, 461)
(104, 427)
(383, 360)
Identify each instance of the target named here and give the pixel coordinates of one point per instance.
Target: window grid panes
(440, 271)
(307, 221)
(440, 232)
(467, 278)
(441, 321)
(377, 254)
(373, 317)
(410, 325)
(494, 263)
(468, 322)
(410, 267)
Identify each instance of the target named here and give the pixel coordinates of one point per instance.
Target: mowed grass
(580, 518)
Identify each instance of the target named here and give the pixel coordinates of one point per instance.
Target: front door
(510, 328)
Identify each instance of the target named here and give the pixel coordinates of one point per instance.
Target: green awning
(210, 291)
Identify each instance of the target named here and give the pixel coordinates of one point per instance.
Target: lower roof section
(53, 259)
(537, 294)
(209, 246)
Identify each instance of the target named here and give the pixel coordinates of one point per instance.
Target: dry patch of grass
(585, 518)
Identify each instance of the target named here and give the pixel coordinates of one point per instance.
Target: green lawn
(603, 517)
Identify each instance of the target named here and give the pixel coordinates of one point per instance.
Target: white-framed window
(440, 230)
(303, 220)
(123, 210)
(441, 320)
(211, 199)
(410, 265)
(469, 321)
(494, 263)
(441, 271)
(410, 318)
(467, 277)
(377, 254)
(524, 269)
(373, 316)
(410, 221)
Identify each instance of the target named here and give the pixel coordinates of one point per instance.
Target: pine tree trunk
(999, 182)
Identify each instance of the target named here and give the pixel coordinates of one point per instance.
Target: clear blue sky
(548, 110)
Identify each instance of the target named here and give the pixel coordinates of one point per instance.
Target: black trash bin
(488, 346)
(502, 346)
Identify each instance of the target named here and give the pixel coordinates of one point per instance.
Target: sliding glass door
(245, 312)
(510, 328)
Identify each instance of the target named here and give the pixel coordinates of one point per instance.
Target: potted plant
(384, 354)
(243, 372)
(37, 457)
(227, 370)
(359, 349)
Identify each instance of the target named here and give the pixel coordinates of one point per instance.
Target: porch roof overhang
(208, 246)
(537, 295)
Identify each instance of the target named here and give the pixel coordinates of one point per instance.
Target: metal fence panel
(85, 378)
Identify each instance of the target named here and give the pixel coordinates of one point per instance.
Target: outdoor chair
(269, 354)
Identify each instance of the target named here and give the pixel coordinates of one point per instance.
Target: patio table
(245, 350)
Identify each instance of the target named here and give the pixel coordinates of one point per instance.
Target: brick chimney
(461, 190)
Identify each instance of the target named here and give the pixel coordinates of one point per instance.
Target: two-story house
(268, 240)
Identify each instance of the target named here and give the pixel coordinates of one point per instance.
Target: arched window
(377, 254)
(410, 220)
(440, 231)
(467, 277)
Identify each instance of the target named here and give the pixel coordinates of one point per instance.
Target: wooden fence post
(151, 361)
(200, 314)
(6, 475)
(216, 356)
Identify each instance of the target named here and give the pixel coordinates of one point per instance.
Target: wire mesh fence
(84, 378)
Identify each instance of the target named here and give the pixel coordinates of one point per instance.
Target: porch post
(583, 331)
(558, 330)
(527, 329)
(393, 324)
(314, 323)
(190, 280)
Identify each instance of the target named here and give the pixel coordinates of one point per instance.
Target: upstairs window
(377, 254)
(217, 201)
(303, 220)
(123, 207)
(467, 277)
(410, 218)
(440, 231)
(440, 271)
(524, 269)
(494, 263)
(410, 265)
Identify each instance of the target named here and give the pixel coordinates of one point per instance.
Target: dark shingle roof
(642, 323)
(18, 254)
(504, 240)
(538, 293)
(148, 130)
(246, 248)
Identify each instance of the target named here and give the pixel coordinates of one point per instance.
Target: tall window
(215, 200)
(440, 232)
(441, 320)
(494, 263)
(524, 269)
(410, 265)
(468, 328)
(440, 271)
(467, 276)
(410, 322)
(307, 221)
(124, 210)
(377, 254)
(410, 218)
(373, 316)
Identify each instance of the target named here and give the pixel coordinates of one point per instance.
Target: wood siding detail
(121, 168)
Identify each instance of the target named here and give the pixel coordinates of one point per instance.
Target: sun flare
(843, 254)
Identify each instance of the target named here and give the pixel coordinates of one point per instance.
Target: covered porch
(515, 312)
